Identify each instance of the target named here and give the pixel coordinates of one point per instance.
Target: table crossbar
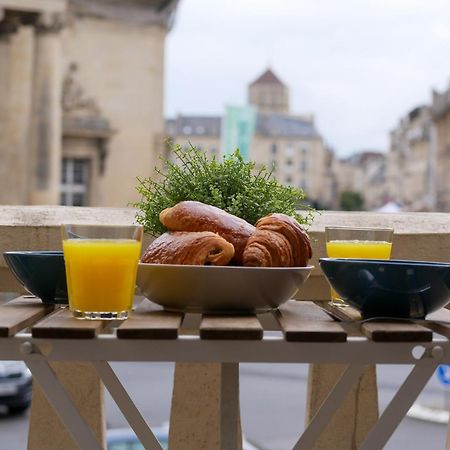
(58, 397)
(328, 407)
(126, 405)
(399, 406)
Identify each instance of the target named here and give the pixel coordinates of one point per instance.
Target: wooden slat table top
(384, 330)
(63, 325)
(149, 321)
(439, 322)
(299, 321)
(306, 322)
(230, 327)
(396, 332)
(21, 313)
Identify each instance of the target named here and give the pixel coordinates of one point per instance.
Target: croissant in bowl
(191, 248)
(196, 216)
(279, 241)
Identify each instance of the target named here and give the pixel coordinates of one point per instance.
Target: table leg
(57, 395)
(126, 405)
(329, 407)
(399, 406)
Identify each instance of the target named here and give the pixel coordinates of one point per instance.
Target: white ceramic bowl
(225, 289)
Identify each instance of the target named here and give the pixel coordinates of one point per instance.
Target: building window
(79, 172)
(304, 166)
(288, 180)
(304, 148)
(289, 150)
(289, 162)
(74, 182)
(274, 149)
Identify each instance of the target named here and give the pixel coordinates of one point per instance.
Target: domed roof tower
(269, 94)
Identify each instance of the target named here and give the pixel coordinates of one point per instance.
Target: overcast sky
(357, 65)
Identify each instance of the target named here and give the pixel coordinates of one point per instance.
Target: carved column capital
(51, 22)
(9, 24)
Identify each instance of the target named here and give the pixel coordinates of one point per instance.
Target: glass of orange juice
(101, 265)
(359, 243)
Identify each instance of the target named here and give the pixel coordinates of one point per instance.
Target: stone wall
(419, 236)
(121, 66)
(117, 50)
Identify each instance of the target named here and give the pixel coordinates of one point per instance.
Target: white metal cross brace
(328, 407)
(57, 395)
(399, 405)
(126, 405)
(355, 353)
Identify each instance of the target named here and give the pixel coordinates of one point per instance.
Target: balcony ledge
(419, 236)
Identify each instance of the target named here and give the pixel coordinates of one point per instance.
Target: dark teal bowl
(390, 288)
(42, 273)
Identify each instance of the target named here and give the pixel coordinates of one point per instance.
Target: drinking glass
(359, 243)
(101, 266)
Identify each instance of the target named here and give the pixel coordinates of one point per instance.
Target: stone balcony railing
(419, 236)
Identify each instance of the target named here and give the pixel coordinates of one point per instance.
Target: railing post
(199, 398)
(358, 413)
(83, 385)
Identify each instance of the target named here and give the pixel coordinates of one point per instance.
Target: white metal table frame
(354, 354)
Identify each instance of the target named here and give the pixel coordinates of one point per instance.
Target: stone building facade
(269, 94)
(410, 162)
(81, 83)
(287, 142)
(364, 172)
(440, 110)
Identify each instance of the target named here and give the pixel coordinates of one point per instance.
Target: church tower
(269, 94)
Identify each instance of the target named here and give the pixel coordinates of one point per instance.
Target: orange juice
(101, 273)
(359, 249)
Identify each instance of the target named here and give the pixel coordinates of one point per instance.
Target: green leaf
(230, 184)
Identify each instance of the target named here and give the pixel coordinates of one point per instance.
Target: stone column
(4, 87)
(19, 113)
(47, 112)
(16, 71)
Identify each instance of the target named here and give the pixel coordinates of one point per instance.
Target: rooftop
(268, 77)
(267, 124)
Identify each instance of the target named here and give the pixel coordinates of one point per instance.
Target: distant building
(269, 94)
(410, 163)
(81, 89)
(440, 110)
(287, 142)
(364, 172)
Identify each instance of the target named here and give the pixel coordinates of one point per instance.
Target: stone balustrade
(420, 236)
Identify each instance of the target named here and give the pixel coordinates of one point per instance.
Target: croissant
(193, 248)
(197, 216)
(279, 241)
